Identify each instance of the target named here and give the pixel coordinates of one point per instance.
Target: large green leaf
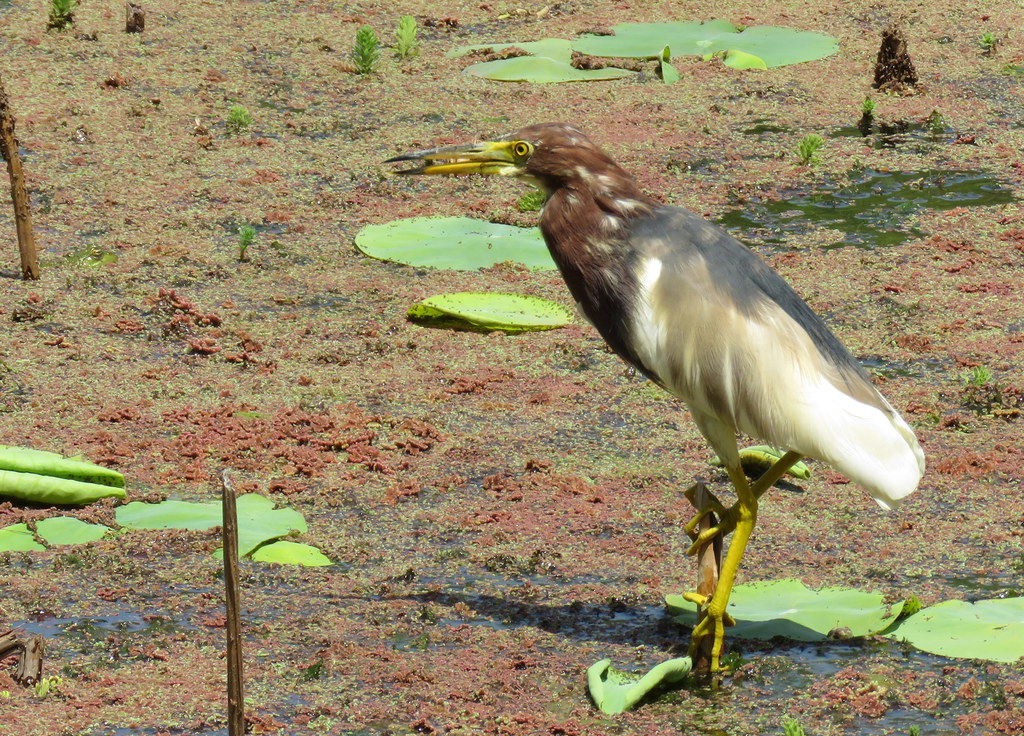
(646, 40)
(291, 553)
(987, 629)
(487, 311)
(772, 45)
(46, 477)
(558, 49)
(18, 538)
(459, 243)
(258, 520)
(789, 608)
(616, 691)
(59, 530)
(542, 70)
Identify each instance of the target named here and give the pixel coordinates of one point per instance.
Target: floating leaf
(291, 553)
(987, 629)
(258, 520)
(459, 243)
(738, 59)
(485, 311)
(646, 40)
(91, 257)
(59, 530)
(788, 608)
(558, 49)
(18, 538)
(46, 477)
(616, 691)
(759, 458)
(542, 70)
(771, 45)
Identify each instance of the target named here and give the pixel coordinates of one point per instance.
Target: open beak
(484, 157)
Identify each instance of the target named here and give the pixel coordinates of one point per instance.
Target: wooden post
(135, 18)
(709, 562)
(30, 662)
(229, 535)
(22, 217)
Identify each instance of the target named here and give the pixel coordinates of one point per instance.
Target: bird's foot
(702, 601)
(713, 626)
(726, 524)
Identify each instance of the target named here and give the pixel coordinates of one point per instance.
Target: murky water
(872, 209)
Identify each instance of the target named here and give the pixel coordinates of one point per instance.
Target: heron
(701, 315)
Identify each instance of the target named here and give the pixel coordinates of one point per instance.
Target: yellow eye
(522, 148)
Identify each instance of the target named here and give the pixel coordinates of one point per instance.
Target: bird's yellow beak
(484, 157)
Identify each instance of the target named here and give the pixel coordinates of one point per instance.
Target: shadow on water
(872, 209)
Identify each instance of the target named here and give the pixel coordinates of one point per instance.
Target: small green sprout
(246, 234)
(531, 201)
(914, 730)
(792, 727)
(867, 108)
(48, 685)
(406, 45)
(808, 149)
(366, 52)
(239, 118)
(62, 14)
(936, 123)
(979, 376)
(988, 42)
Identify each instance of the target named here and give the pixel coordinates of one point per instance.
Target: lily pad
(291, 553)
(58, 530)
(542, 70)
(759, 458)
(18, 538)
(616, 691)
(986, 629)
(486, 311)
(771, 45)
(258, 520)
(789, 608)
(458, 243)
(47, 477)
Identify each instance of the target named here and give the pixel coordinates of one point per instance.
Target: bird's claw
(702, 601)
(725, 525)
(713, 626)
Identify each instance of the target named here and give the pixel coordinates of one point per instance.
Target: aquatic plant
(808, 148)
(988, 42)
(366, 52)
(246, 234)
(792, 727)
(532, 201)
(978, 375)
(406, 45)
(239, 118)
(867, 108)
(62, 14)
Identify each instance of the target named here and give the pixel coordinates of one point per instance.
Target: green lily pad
(558, 49)
(458, 243)
(258, 520)
(542, 70)
(486, 311)
(789, 608)
(771, 45)
(18, 538)
(759, 458)
(616, 691)
(738, 59)
(291, 553)
(59, 530)
(987, 629)
(47, 477)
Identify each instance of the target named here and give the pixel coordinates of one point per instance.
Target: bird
(705, 318)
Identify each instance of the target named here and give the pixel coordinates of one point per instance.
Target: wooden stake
(229, 534)
(30, 662)
(135, 18)
(22, 216)
(709, 562)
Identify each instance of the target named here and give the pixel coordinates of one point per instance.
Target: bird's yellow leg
(744, 515)
(727, 516)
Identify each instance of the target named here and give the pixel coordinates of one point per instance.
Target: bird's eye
(521, 148)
